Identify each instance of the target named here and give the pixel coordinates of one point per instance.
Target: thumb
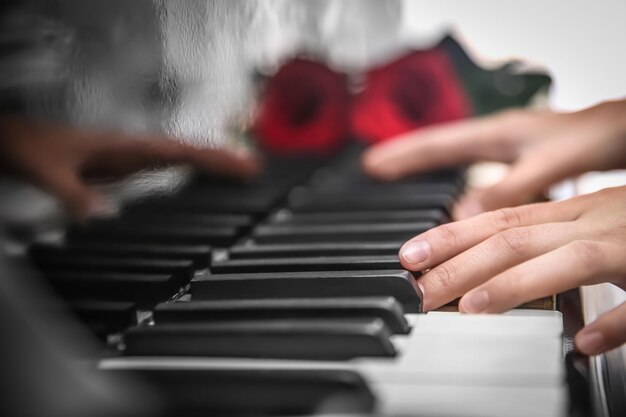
(607, 332)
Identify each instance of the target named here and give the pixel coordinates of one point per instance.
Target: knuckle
(448, 235)
(507, 218)
(443, 276)
(588, 255)
(518, 240)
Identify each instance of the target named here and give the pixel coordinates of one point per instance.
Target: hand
(542, 148)
(61, 159)
(504, 258)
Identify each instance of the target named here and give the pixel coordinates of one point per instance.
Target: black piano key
(164, 234)
(259, 391)
(306, 203)
(279, 339)
(329, 263)
(249, 251)
(351, 217)
(144, 289)
(332, 284)
(385, 308)
(105, 317)
(295, 233)
(199, 254)
(182, 268)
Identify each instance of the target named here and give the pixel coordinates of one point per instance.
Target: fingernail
(416, 251)
(591, 342)
(468, 208)
(475, 302)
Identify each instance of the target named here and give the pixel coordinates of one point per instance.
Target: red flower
(417, 90)
(304, 110)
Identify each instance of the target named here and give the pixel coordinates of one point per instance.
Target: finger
(235, 164)
(130, 155)
(491, 257)
(577, 263)
(606, 333)
(443, 242)
(442, 146)
(526, 180)
(79, 199)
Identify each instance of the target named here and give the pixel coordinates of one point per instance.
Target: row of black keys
(110, 268)
(317, 279)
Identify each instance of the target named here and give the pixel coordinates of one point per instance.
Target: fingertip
(590, 342)
(367, 165)
(237, 164)
(376, 165)
(73, 194)
(78, 206)
(474, 302)
(414, 253)
(251, 163)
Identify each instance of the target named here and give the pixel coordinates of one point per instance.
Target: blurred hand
(507, 257)
(542, 148)
(62, 159)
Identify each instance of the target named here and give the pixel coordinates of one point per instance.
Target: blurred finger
(79, 199)
(442, 146)
(527, 179)
(443, 242)
(235, 164)
(131, 155)
(480, 263)
(570, 266)
(607, 332)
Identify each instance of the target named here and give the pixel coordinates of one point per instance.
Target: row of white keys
(449, 365)
(474, 365)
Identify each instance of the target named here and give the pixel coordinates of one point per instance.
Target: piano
(284, 296)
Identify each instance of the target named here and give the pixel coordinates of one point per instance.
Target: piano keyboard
(285, 297)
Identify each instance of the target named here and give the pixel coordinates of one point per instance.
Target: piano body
(283, 296)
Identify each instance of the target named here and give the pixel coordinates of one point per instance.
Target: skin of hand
(61, 159)
(542, 148)
(503, 258)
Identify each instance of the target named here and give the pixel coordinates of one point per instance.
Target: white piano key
(487, 359)
(514, 323)
(522, 349)
(469, 401)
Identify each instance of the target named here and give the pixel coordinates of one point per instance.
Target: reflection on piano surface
(285, 296)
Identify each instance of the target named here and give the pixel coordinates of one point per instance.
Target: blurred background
(577, 41)
(190, 69)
